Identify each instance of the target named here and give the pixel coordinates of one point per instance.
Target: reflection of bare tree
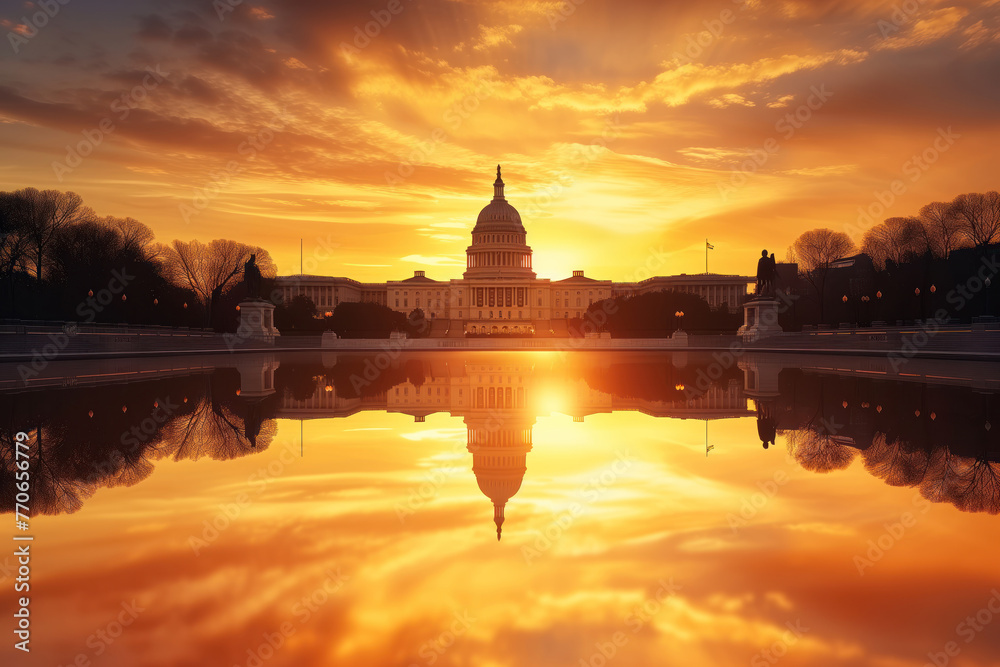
(978, 489)
(213, 429)
(895, 463)
(819, 452)
(52, 491)
(107, 436)
(944, 472)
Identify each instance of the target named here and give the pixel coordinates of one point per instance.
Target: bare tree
(135, 236)
(898, 239)
(46, 213)
(943, 229)
(14, 211)
(210, 269)
(978, 214)
(815, 250)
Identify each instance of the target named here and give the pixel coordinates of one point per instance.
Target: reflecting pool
(495, 509)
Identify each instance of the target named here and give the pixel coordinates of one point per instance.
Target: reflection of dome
(499, 463)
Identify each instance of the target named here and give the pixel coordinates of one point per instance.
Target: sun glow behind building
(499, 292)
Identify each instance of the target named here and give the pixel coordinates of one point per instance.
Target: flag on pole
(708, 245)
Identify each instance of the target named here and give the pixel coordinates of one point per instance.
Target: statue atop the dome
(498, 172)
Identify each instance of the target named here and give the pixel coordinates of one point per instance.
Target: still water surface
(509, 509)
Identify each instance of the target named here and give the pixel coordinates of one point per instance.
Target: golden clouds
(409, 120)
(936, 25)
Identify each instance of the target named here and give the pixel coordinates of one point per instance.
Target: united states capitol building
(499, 292)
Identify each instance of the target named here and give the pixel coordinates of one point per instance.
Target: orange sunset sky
(621, 126)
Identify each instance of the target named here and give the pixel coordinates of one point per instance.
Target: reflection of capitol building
(499, 292)
(499, 401)
(499, 431)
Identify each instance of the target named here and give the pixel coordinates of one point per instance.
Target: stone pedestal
(760, 319)
(257, 322)
(256, 375)
(329, 339)
(760, 380)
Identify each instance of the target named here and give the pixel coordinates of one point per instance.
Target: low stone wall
(41, 343)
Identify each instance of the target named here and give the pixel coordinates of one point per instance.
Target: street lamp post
(986, 305)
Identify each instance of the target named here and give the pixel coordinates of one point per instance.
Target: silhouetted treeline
(905, 268)
(60, 261)
(372, 320)
(654, 315)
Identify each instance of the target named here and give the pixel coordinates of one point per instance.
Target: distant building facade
(499, 292)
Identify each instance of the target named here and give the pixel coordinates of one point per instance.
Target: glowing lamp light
(90, 414)
(933, 416)
(237, 307)
(844, 404)
(878, 408)
(185, 304)
(156, 302)
(679, 387)
(124, 297)
(933, 289)
(328, 313)
(916, 291)
(237, 392)
(878, 294)
(124, 408)
(844, 298)
(90, 292)
(916, 413)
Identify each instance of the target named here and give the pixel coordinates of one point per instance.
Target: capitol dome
(499, 211)
(499, 246)
(498, 215)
